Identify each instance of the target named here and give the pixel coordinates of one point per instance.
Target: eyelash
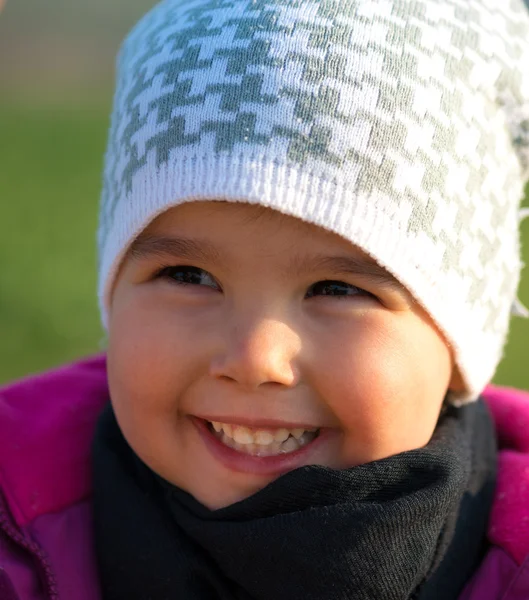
(169, 272)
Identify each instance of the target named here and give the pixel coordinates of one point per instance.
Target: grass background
(56, 76)
(50, 178)
(50, 164)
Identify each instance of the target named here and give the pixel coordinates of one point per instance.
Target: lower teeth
(289, 445)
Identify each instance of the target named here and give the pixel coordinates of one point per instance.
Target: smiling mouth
(261, 442)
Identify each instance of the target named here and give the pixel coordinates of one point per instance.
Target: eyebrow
(360, 266)
(149, 246)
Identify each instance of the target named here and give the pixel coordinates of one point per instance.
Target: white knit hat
(401, 125)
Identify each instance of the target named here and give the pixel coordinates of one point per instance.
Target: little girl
(309, 253)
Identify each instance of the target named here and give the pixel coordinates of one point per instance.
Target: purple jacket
(46, 550)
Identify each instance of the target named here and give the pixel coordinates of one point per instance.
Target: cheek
(385, 380)
(150, 355)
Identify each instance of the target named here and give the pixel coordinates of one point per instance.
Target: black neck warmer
(411, 526)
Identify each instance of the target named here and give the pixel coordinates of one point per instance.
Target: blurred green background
(56, 84)
(56, 68)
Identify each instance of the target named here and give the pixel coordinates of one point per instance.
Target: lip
(258, 465)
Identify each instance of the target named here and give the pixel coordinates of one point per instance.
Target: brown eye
(335, 288)
(187, 275)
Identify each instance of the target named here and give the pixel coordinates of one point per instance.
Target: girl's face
(244, 343)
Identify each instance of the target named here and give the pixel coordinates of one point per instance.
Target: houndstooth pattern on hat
(401, 125)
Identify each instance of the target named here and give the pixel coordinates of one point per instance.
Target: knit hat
(401, 125)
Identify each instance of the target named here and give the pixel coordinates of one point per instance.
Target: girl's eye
(186, 275)
(335, 288)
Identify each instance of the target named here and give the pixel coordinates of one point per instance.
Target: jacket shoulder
(509, 519)
(510, 411)
(498, 578)
(47, 423)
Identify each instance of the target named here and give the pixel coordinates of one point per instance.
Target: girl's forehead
(234, 222)
(246, 212)
(248, 224)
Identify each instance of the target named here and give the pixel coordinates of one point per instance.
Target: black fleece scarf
(411, 526)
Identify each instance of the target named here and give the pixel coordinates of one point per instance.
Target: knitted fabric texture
(401, 125)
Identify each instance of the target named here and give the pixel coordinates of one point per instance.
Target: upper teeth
(245, 435)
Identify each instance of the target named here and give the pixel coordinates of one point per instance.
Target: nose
(262, 351)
